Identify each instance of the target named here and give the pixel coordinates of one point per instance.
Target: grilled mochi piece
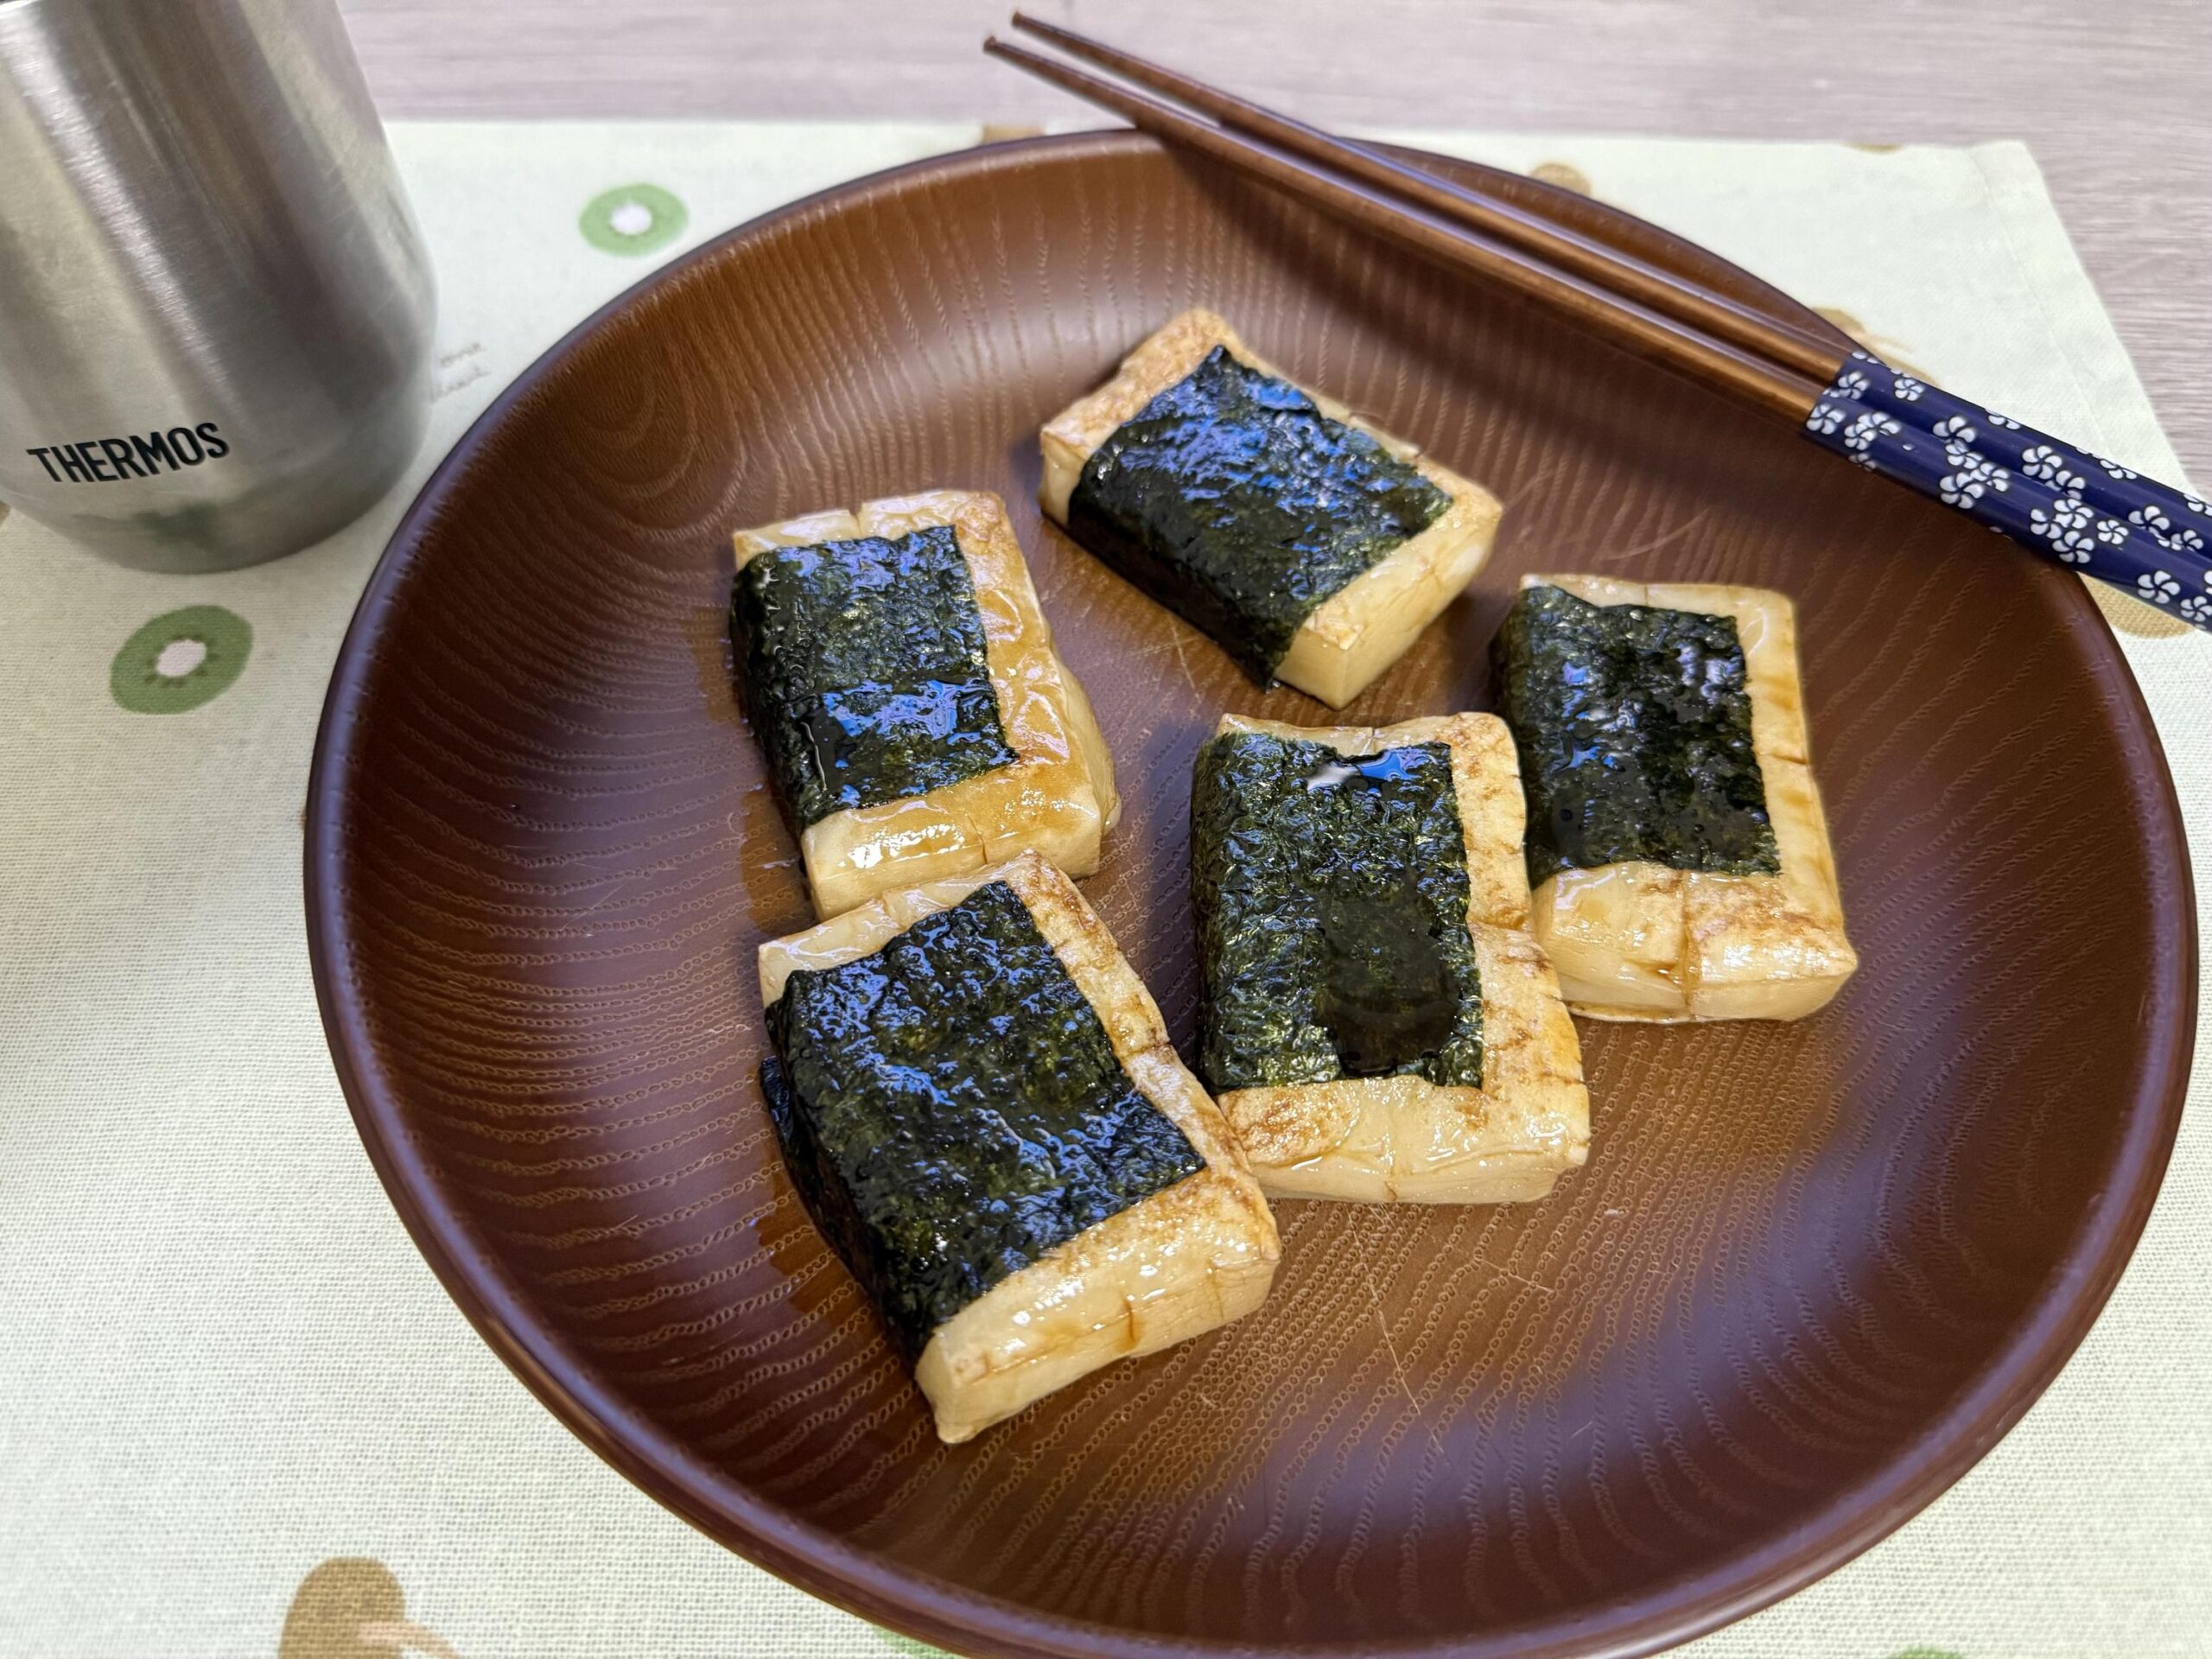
(917, 720)
(1378, 1023)
(980, 1108)
(1676, 844)
(1311, 546)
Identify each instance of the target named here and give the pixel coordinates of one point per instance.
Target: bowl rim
(933, 1610)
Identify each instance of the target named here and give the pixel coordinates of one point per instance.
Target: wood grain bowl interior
(1811, 1271)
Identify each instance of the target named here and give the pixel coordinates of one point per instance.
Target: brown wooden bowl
(1811, 1272)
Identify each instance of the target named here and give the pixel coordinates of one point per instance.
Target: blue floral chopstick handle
(2061, 502)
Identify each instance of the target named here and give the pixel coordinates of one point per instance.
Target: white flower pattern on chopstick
(1970, 477)
(2068, 526)
(2041, 461)
(2161, 530)
(1864, 429)
(2070, 505)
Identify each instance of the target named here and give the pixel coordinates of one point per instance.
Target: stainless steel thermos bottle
(215, 310)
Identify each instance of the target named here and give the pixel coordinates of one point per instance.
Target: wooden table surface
(2116, 101)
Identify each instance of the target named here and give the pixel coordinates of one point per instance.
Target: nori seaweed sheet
(1332, 900)
(863, 670)
(950, 1109)
(1634, 726)
(1231, 498)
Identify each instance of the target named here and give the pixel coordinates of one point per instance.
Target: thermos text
(103, 461)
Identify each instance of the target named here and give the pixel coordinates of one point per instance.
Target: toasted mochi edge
(1200, 1248)
(1752, 946)
(1486, 779)
(1208, 1239)
(809, 529)
(1058, 795)
(1404, 1140)
(1157, 362)
(1098, 759)
(1356, 632)
(1600, 960)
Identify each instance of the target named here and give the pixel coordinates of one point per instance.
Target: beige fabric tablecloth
(232, 1395)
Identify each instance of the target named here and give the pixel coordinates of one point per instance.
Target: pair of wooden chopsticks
(2063, 503)
(1645, 310)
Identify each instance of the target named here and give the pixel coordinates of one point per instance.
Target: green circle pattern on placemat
(907, 1644)
(180, 660)
(632, 218)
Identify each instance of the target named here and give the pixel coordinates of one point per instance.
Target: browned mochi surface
(1402, 1138)
(1365, 625)
(1186, 1259)
(1642, 941)
(1057, 796)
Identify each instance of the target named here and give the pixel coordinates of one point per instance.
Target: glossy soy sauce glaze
(1231, 498)
(950, 1109)
(863, 669)
(1634, 727)
(1332, 900)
